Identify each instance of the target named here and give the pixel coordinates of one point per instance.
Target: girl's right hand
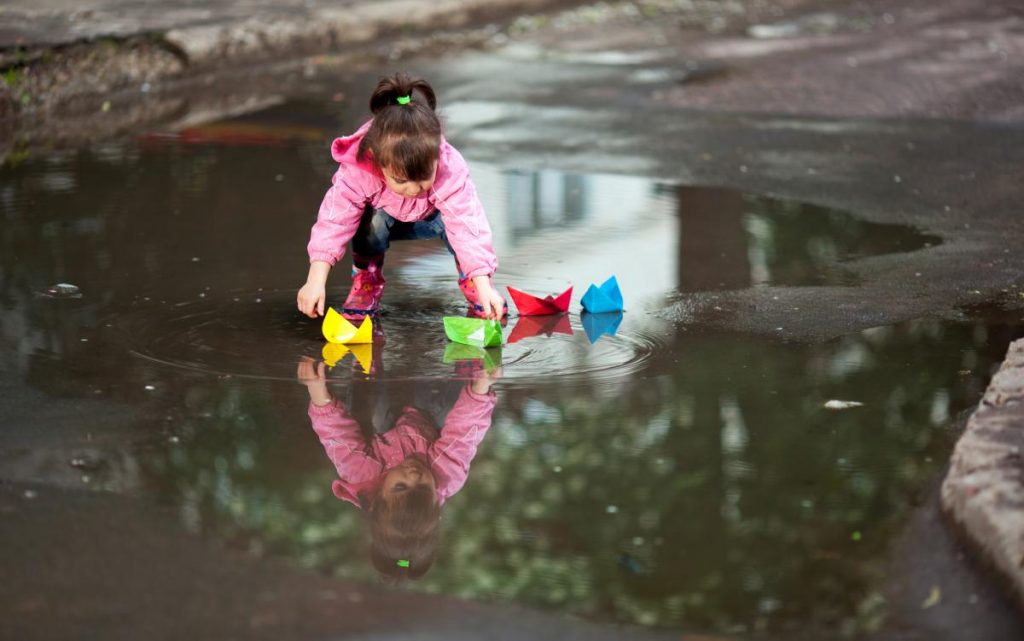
(311, 299)
(311, 372)
(313, 375)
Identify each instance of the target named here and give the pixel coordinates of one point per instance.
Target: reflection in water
(403, 460)
(547, 325)
(658, 476)
(729, 240)
(713, 490)
(712, 241)
(600, 324)
(466, 358)
(540, 200)
(362, 353)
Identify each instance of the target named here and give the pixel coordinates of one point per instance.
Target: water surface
(656, 474)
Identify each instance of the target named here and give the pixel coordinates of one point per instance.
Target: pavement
(52, 23)
(232, 27)
(116, 545)
(955, 59)
(912, 104)
(55, 52)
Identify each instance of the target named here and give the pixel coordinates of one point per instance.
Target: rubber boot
(367, 288)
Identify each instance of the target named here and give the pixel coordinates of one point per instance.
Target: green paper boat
(458, 352)
(478, 332)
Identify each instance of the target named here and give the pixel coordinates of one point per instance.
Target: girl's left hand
(484, 379)
(490, 299)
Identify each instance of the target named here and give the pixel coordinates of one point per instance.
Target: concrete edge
(47, 78)
(983, 493)
(256, 37)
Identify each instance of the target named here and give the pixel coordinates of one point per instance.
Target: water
(659, 474)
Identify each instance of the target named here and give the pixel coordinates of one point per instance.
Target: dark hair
(407, 531)
(404, 138)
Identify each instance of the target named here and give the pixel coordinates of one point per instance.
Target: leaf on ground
(934, 598)
(842, 405)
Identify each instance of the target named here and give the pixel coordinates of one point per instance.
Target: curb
(80, 75)
(263, 37)
(983, 493)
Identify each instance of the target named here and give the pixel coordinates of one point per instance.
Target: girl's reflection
(403, 468)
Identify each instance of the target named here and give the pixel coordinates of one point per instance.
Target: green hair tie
(404, 100)
(402, 563)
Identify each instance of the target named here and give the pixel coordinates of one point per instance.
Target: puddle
(712, 490)
(197, 279)
(786, 243)
(632, 471)
(255, 335)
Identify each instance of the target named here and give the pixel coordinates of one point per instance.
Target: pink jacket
(357, 184)
(361, 465)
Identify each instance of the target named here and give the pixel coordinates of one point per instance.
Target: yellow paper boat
(334, 352)
(338, 329)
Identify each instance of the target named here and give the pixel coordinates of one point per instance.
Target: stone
(983, 493)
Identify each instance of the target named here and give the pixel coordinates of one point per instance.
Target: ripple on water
(259, 335)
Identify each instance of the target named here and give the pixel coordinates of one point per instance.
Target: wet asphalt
(205, 325)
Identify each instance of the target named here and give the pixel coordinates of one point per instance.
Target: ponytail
(399, 85)
(405, 136)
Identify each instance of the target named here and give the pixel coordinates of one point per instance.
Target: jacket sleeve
(343, 442)
(339, 216)
(464, 219)
(464, 429)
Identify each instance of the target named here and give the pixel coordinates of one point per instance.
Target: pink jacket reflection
(361, 464)
(357, 184)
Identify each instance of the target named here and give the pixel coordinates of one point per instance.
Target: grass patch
(12, 77)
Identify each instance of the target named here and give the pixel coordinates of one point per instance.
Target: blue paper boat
(597, 325)
(606, 298)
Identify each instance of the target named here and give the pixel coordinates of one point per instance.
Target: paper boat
(473, 331)
(489, 357)
(606, 298)
(363, 353)
(530, 305)
(597, 325)
(529, 326)
(338, 329)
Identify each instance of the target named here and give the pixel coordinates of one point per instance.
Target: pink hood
(345, 150)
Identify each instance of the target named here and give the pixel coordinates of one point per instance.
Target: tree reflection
(717, 492)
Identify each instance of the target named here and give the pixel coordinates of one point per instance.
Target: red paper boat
(530, 305)
(529, 326)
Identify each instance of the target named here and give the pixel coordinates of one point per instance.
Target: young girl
(399, 179)
(402, 476)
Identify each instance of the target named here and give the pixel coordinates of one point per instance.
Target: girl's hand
(310, 372)
(313, 294)
(313, 375)
(490, 299)
(484, 379)
(311, 299)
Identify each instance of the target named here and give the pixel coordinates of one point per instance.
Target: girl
(399, 179)
(402, 476)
